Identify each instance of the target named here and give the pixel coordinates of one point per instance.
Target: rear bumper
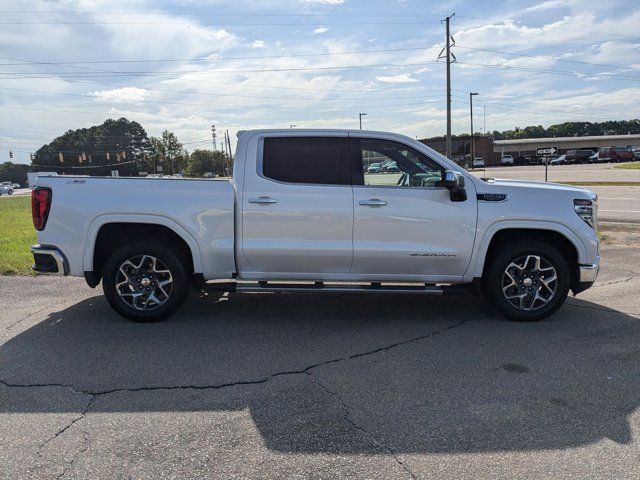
(49, 260)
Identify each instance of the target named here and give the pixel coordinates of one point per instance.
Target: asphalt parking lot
(293, 386)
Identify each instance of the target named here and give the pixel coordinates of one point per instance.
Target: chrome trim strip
(337, 288)
(61, 261)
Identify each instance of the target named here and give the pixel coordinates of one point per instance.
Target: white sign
(547, 151)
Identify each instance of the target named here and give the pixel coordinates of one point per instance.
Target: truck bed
(200, 211)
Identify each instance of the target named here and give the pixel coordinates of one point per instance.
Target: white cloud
(318, 31)
(323, 2)
(257, 44)
(400, 78)
(546, 6)
(125, 94)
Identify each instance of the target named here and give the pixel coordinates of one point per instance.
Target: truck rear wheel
(527, 281)
(145, 281)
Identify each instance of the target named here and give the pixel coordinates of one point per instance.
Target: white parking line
(619, 198)
(619, 211)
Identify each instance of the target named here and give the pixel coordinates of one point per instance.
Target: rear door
(297, 208)
(405, 224)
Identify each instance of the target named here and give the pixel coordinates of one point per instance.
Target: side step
(257, 287)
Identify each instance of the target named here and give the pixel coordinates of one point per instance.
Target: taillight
(40, 205)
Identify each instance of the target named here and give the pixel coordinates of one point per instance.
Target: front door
(297, 208)
(405, 224)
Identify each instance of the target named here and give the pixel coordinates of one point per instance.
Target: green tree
(205, 161)
(14, 173)
(168, 152)
(113, 145)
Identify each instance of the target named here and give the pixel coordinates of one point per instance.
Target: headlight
(587, 210)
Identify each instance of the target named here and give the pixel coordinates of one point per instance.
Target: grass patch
(629, 166)
(16, 235)
(602, 184)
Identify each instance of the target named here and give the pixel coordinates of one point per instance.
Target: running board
(336, 288)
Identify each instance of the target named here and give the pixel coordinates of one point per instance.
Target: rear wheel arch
(109, 236)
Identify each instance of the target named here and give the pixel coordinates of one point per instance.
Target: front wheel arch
(504, 237)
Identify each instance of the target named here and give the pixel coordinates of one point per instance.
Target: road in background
(597, 172)
(616, 204)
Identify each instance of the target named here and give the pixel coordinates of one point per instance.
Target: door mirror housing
(454, 181)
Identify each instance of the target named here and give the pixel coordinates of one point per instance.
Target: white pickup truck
(303, 212)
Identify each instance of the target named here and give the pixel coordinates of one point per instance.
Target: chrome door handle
(263, 200)
(373, 202)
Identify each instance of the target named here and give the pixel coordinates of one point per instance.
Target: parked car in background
(506, 160)
(478, 162)
(579, 156)
(594, 158)
(636, 153)
(390, 167)
(16, 185)
(374, 168)
(6, 188)
(559, 160)
(615, 154)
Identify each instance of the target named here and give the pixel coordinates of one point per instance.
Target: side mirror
(454, 181)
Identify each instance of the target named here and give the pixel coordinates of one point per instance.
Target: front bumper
(586, 276)
(49, 260)
(588, 273)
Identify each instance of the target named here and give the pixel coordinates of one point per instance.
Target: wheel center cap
(527, 282)
(145, 282)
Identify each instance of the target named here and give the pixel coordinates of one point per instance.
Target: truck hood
(497, 183)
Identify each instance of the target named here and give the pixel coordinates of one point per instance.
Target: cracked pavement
(312, 386)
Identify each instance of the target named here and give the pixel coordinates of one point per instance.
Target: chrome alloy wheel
(144, 283)
(529, 282)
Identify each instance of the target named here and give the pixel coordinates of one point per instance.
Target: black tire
(10, 192)
(495, 275)
(180, 285)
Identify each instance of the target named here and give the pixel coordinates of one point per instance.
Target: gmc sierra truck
(304, 212)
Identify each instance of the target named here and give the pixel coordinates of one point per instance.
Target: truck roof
(296, 131)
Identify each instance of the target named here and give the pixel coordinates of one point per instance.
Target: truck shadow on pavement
(343, 374)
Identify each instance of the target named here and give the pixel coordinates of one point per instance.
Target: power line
(553, 72)
(216, 72)
(209, 59)
(221, 24)
(550, 58)
(98, 97)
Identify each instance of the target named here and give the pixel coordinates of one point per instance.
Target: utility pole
(448, 55)
(472, 146)
(360, 115)
(484, 124)
(230, 154)
(213, 136)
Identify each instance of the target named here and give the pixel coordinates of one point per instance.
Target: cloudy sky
(185, 65)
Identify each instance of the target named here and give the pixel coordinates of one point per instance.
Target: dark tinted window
(322, 160)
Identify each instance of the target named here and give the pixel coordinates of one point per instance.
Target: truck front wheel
(527, 281)
(145, 281)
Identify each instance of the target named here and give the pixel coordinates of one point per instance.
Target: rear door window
(313, 160)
